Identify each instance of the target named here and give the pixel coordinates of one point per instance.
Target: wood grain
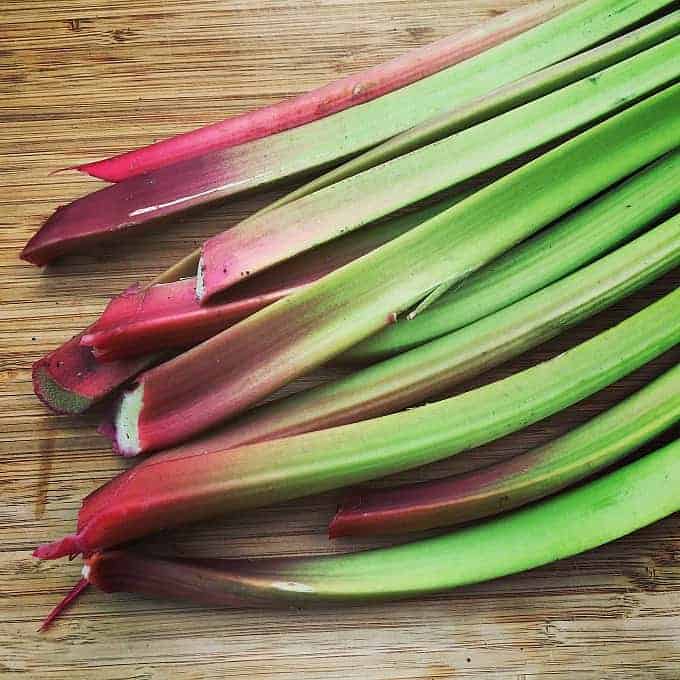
(80, 79)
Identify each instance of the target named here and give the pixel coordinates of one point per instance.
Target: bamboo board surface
(82, 79)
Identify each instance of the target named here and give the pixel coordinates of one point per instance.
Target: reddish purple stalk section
(167, 316)
(331, 98)
(121, 207)
(70, 380)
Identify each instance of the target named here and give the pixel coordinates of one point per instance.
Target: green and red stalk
(218, 174)
(476, 111)
(71, 380)
(188, 483)
(574, 241)
(226, 374)
(517, 481)
(331, 98)
(275, 236)
(494, 103)
(603, 510)
(430, 370)
(167, 316)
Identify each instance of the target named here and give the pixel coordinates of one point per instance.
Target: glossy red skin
(331, 98)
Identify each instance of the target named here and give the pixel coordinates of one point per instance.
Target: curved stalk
(543, 471)
(336, 96)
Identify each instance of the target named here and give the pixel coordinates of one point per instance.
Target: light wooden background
(80, 79)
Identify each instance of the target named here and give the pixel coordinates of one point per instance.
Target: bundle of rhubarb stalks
(485, 193)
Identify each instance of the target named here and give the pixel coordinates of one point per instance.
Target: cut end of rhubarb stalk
(55, 396)
(125, 429)
(200, 279)
(69, 545)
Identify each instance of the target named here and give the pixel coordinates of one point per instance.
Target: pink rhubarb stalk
(70, 379)
(331, 98)
(220, 173)
(166, 316)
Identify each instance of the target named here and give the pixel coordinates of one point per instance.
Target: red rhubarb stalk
(70, 380)
(167, 316)
(218, 174)
(331, 98)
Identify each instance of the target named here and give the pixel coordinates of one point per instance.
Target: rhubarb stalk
(572, 242)
(245, 363)
(222, 173)
(274, 236)
(570, 523)
(522, 479)
(190, 484)
(336, 96)
(434, 368)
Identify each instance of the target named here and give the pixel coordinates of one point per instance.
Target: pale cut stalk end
(125, 431)
(200, 280)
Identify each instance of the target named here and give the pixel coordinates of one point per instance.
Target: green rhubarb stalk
(484, 91)
(261, 242)
(232, 371)
(573, 241)
(191, 483)
(570, 523)
(496, 102)
(510, 483)
(435, 367)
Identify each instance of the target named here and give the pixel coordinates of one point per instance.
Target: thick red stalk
(70, 380)
(331, 98)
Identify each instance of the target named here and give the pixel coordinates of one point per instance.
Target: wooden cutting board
(81, 79)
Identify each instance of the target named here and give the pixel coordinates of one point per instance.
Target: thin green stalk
(573, 241)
